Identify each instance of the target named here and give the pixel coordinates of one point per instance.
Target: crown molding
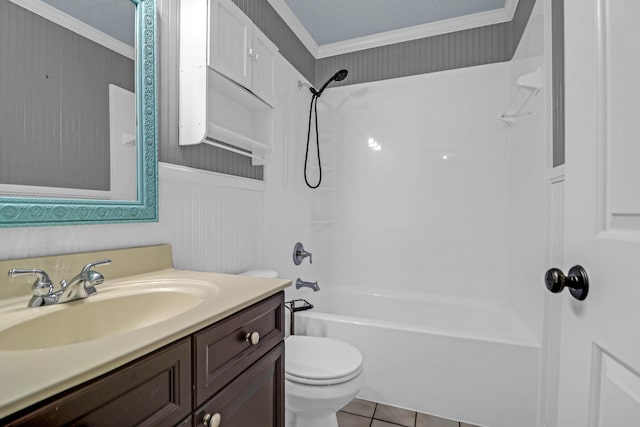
(510, 8)
(70, 23)
(282, 8)
(431, 29)
(475, 20)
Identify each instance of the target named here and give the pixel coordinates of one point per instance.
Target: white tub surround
(465, 359)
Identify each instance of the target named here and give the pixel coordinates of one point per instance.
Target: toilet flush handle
(212, 420)
(252, 338)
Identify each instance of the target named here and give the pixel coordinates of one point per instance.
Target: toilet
(321, 376)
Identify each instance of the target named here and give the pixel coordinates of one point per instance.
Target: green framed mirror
(63, 206)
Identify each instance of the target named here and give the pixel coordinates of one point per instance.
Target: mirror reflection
(67, 103)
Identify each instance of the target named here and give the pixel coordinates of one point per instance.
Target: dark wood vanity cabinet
(154, 390)
(255, 398)
(240, 380)
(225, 369)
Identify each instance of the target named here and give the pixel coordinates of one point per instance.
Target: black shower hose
(313, 109)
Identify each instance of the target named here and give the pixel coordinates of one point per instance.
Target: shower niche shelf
(528, 86)
(226, 80)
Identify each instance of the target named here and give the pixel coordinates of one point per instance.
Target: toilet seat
(320, 360)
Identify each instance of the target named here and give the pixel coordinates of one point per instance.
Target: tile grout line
(373, 417)
(375, 408)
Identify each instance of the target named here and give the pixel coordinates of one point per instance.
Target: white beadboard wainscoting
(214, 222)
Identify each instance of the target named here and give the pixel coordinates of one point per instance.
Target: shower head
(339, 76)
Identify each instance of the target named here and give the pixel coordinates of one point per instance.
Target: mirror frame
(21, 212)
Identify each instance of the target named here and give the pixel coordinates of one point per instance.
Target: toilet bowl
(321, 376)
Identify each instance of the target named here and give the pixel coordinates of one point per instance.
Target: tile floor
(363, 413)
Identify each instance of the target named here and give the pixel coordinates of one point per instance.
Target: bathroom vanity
(218, 363)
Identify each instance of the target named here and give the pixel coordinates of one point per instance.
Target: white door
(600, 344)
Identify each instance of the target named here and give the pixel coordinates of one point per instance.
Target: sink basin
(115, 311)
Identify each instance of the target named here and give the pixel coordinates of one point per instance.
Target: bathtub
(464, 359)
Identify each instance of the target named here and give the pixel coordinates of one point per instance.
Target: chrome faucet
(302, 284)
(81, 286)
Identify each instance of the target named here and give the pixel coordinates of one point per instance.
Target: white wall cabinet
(239, 50)
(264, 52)
(226, 79)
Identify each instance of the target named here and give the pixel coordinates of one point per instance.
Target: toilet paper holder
(293, 308)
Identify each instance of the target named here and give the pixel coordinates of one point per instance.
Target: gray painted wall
(477, 46)
(54, 103)
(557, 53)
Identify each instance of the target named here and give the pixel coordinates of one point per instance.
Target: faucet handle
(299, 254)
(90, 266)
(41, 287)
(93, 277)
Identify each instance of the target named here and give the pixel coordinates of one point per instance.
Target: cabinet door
(230, 40)
(263, 66)
(255, 398)
(152, 392)
(221, 352)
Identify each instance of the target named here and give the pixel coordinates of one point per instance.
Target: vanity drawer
(153, 392)
(256, 398)
(221, 352)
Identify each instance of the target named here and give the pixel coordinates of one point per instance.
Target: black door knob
(577, 281)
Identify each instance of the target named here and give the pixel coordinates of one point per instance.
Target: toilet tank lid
(270, 274)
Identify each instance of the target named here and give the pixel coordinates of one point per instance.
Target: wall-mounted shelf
(249, 147)
(528, 86)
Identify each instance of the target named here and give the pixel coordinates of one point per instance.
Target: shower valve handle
(300, 254)
(577, 281)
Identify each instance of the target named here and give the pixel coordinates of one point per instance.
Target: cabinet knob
(212, 420)
(252, 337)
(250, 52)
(256, 57)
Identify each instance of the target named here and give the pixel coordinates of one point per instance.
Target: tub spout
(302, 284)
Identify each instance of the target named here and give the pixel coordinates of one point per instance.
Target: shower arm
(337, 77)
